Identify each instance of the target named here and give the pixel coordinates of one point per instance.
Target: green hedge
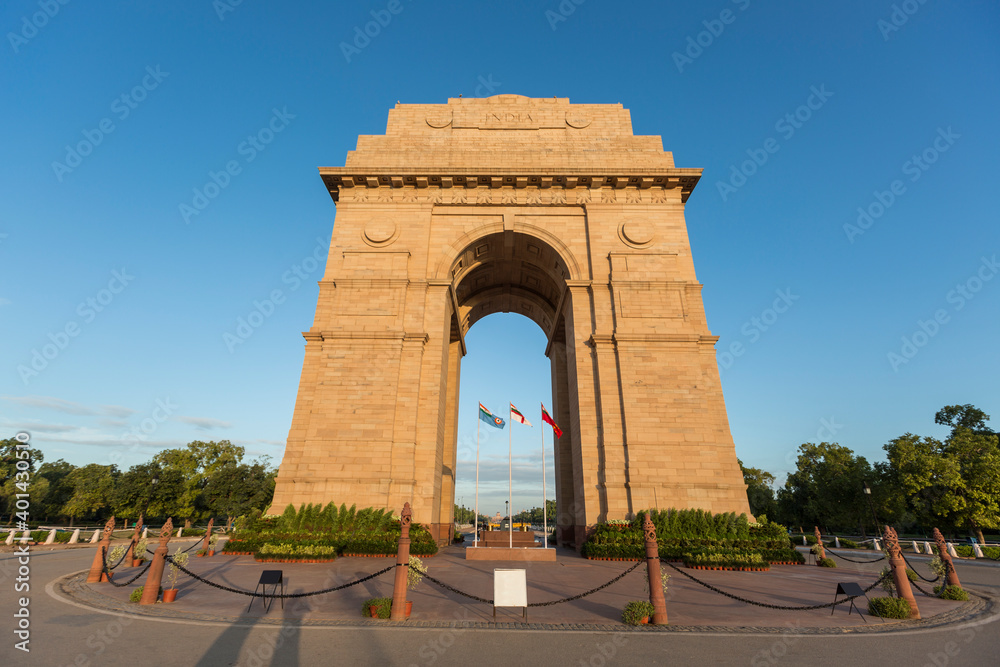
(293, 551)
(991, 552)
(371, 532)
(685, 533)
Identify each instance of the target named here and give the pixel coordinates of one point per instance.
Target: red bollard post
(151, 589)
(402, 565)
(898, 565)
(951, 576)
(820, 550)
(97, 567)
(653, 572)
(130, 554)
(208, 536)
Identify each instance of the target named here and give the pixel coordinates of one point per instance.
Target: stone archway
(510, 204)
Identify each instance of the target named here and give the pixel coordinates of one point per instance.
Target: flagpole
(510, 484)
(545, 516)
(475, 541)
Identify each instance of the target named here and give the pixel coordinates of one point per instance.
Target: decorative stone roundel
(439, 120)
(380, 232)
(636, 233)
(577, 120)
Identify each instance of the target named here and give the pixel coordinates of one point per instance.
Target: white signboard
(510, 588)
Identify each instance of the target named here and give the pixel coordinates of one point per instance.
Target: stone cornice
(342, 179)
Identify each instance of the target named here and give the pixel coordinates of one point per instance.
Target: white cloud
(204, 423)
(51, 403)
(117, 410)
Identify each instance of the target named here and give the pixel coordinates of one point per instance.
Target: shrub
(635, 611)
(415, 573)
(811, 540)
(136, 595)
(952, 593)
(889, 607)
(848, 544)
(938, 567)
(991, 552)
(383, 607)
(964, 550)
(116, 554)
(180, 558)
(826, 562)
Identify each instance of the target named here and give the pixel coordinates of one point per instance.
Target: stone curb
(74, 587)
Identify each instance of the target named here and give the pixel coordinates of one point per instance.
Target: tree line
(192, 483)
(953, 484)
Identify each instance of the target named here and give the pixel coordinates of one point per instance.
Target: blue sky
(842, 105)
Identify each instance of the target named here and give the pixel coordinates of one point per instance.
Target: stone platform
(525, 554)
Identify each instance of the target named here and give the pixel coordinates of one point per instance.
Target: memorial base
(508, 554)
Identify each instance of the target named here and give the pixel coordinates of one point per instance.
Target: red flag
(548, 420)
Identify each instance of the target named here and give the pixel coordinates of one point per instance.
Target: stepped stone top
(495, 140)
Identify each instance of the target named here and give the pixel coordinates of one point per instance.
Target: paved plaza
(73, 623)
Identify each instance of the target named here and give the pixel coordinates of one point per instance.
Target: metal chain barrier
(253, 594)
(455, 590)
(534, 604)
(581, 595)
(851, 560)
(107, 572)
(910, 565)
(767, 604)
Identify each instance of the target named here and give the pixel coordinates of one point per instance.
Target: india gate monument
(511, 204)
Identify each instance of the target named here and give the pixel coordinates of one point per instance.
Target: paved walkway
(690, 606)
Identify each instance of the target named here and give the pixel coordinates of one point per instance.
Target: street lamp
(868, 497)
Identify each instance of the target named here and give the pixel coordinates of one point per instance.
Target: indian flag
(516, 416)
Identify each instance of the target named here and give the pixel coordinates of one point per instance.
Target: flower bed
(292, 553)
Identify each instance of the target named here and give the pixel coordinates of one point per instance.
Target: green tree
(60, 488)
(233, 489)
(760, 493)
(92, 490)
(963, 416)
(826, 487)
(955, 482)
(195, 463)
